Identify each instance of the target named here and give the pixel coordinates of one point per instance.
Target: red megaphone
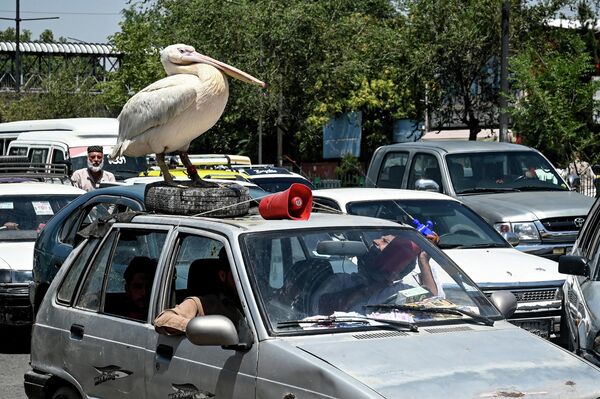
(293, 203)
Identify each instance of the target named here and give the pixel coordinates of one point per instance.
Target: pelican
(169, 113)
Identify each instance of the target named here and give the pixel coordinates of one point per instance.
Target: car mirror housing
(574, 181)
(211, 330)
(575, 265)
(505, 301)
(427, 185)
(512, 238)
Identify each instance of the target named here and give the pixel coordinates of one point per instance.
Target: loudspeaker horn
(294, 203)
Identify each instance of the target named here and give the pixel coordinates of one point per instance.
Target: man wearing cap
(90, 178)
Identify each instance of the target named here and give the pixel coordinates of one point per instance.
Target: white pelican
(168, 114)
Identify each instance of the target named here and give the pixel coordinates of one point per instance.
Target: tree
(554, 107)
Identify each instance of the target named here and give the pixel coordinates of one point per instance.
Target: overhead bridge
(88, 63)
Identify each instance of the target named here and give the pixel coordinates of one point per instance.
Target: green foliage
(554, 107)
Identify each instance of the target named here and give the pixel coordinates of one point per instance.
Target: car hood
(477, 363)
(505, 266)
(16, 255)
(528, 206)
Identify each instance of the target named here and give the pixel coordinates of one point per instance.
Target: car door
(176, 367)
(105, 349)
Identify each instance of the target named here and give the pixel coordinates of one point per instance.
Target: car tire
(223, 200)
(66, 392)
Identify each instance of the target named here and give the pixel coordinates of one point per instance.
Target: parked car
(454, 345)
(469, 241)
(26, 205)
(582, 290)
(513, 187)
(59, 236)
(272, 178)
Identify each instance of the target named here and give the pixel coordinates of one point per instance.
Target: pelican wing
(156, 104)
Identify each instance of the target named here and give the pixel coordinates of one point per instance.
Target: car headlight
(524, 230)
(5, 276)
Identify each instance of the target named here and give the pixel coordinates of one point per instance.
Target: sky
(90, 21)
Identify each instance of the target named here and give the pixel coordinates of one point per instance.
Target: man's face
(95, 160)
(383, 241)
(139, 289)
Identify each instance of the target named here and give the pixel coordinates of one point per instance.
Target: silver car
(309, 329)
(582, 290)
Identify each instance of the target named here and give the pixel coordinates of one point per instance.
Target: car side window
(69, 283)
(392, 170)
(325, 205)
(424, 166)
(89, 297)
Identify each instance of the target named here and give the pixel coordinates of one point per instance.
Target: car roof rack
(18, 169)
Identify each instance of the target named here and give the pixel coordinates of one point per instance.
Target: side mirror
(427, 185)
(575, 265)
(574, 181)
(211, 330)
(505, 301)
(512, 238)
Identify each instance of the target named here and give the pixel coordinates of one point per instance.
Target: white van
(65, 141)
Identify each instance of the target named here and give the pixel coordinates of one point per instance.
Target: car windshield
(358, 278)
(277, 184)
(457, 225)
(502, 171)
(23, 216)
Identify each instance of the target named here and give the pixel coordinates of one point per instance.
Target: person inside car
(392, 264)
(213, 292)
(138, 286)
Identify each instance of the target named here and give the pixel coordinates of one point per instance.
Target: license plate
(537, 327)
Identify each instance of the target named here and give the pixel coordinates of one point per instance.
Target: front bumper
(15, 306)
(36, 384)
(550, 251)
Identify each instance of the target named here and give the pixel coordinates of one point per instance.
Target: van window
(57, 155)
(4, 142)
(20, 151)
(38, 155)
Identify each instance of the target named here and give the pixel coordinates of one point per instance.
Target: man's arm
(174, 321)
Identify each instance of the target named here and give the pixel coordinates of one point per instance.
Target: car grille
(561, 224)
(542, 294)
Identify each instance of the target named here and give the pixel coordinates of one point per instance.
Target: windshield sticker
(42, 208)
(7, 205)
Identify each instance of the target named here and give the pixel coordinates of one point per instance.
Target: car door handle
(77, 331)
(164, 351)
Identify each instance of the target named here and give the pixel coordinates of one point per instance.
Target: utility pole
(18, 20)
(502, 101)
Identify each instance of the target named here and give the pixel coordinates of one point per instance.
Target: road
(14, 362)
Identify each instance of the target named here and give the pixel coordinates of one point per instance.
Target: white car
(25, 207)
(470, 242)
(272, 178)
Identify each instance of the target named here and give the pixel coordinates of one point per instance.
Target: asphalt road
(14, 361)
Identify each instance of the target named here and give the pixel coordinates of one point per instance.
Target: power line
(62, 12)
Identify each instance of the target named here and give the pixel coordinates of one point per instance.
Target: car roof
(33, 188)
(128, 190)
(256, 223)
(459, 146)
(351, 194)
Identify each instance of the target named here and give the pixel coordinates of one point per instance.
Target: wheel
(66, 392)
(225, 200)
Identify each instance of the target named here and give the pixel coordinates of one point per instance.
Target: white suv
(470, 242)
(25, 206)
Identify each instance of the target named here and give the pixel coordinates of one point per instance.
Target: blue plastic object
(424, 229)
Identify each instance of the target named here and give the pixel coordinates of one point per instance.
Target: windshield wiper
(537, 188)
(487, 190)
(325, 321)
(455, 311)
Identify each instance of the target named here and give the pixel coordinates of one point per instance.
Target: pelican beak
(228, 69)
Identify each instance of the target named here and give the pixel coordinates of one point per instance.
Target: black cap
(95, 148)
